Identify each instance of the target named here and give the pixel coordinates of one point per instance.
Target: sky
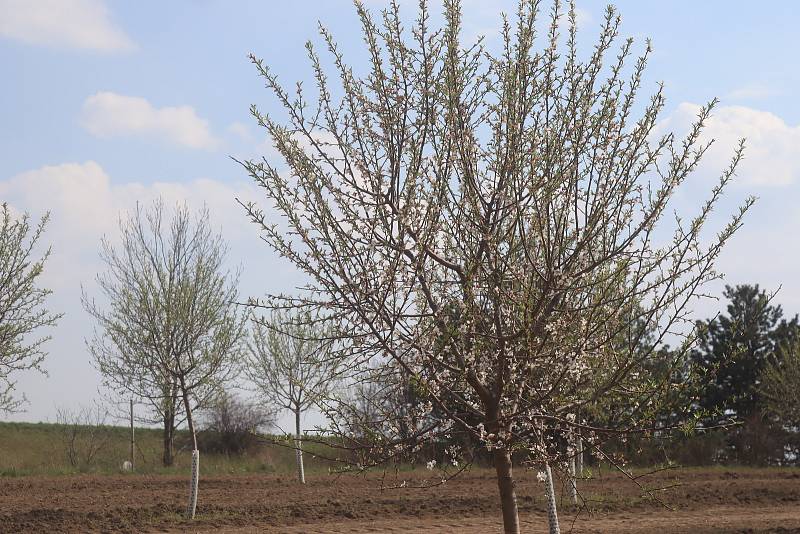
(106, 103)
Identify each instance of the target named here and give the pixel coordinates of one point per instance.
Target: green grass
(39, 449)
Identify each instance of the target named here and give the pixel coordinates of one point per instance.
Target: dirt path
(707, 500)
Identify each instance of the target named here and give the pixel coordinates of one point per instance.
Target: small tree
(289, 364)
(490, 223)
(172, 328)
(22, 310)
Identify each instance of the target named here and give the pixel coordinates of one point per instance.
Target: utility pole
(132, 438)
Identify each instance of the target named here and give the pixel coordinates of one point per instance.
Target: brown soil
(706, 500)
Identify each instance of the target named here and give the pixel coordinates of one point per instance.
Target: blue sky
(108, 102)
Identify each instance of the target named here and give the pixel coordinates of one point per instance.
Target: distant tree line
(742, 397)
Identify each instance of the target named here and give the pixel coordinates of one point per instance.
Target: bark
(169, 440)
(579, 457)
(133, 439)
(169, 425)
(298, 443)
(508, 495)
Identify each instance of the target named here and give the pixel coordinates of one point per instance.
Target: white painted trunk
(301, 475)
(579, 457)
(573, 483)
(298, 450)
(190, 510)
(552, 513)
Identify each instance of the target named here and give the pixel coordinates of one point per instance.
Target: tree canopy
(22, 301)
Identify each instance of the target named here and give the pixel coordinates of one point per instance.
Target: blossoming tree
(490, 225)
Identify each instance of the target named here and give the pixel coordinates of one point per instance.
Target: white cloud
(770, 157)
(73, 23)
(64, 186)
(765, 249)
(85, 204)
(108, 114)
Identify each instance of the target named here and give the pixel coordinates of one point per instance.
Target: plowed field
(705, 500)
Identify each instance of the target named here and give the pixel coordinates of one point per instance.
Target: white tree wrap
(573, 482)
(301, 475)
(552, 513)
(190, 510)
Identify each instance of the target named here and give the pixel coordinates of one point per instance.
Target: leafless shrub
(84, 434)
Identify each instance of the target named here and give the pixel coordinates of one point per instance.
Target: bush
(704, 448)
(84, 434)
(232, 426)
(758, 442)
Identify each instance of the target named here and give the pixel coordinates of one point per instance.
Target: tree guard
(190, 510)
(552, 513)
(579, 457)
(298, 451)
(573, 483)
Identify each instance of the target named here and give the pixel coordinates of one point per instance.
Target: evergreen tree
(735, 348)
(780, 385)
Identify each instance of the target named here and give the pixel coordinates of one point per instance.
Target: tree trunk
(579, 457)
(552, 513)
(133, 440)
(298, 443)
(169, 425)
(508, 496)
(193, 483)
(170, 407)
